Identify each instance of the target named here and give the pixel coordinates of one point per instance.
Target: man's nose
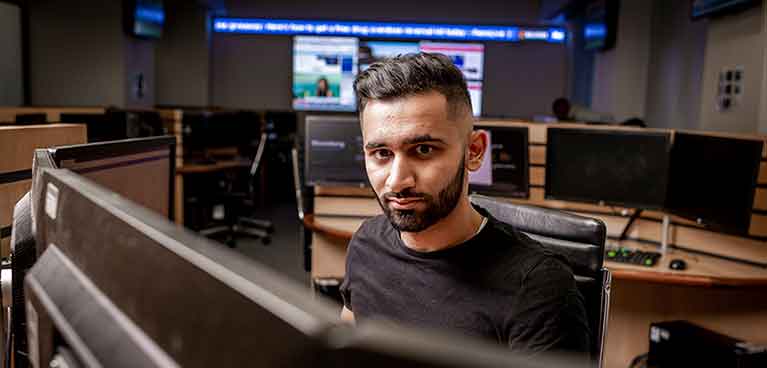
(400, 176)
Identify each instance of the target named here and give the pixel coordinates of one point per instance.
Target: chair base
(230, 233)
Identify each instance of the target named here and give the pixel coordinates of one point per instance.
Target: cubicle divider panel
(17, 145)
(52, 114)
(173, 122)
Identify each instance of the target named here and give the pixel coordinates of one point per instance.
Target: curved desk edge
(317, 227)
(618, 272)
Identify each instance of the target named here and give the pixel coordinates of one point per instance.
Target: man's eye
(424, 150)
(381, 154)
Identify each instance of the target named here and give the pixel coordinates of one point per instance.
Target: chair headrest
(580, 239)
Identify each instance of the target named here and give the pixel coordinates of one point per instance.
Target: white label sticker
(51, 200)
(219, 212)
(32, 340)
(654, 334)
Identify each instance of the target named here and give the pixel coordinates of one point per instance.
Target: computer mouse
(677, 264)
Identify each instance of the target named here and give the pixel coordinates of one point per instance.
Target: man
(434, 260)
(565, 111)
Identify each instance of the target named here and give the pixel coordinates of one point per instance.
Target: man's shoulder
(372, 230)
(375, 225)
(528, 254)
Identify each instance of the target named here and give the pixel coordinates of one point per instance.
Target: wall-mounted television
(144, 18)
(707, 8)
(324, 69)
(601, 24)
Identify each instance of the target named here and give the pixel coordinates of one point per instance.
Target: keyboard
(631, 256)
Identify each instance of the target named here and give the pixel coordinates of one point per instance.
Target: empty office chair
(579, 239)
(236, 203)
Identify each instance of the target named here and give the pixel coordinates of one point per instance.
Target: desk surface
(192, 168)
(702, 270)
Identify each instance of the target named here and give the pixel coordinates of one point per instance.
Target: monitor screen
(133, 168)
(373, 51)
(334, 154)
(145, 18)
(704, 8)
(504, 169)
(617, 167)
(469, 58)
(712, 180)
(600, 25)
(324, 69)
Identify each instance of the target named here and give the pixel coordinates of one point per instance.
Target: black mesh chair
(579, 239)
(238, 206)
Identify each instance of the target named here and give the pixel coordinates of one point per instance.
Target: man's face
(415, 159)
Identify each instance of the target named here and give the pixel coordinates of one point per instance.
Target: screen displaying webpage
(373, 51)
(324, 69)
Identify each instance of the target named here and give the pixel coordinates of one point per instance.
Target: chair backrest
(581, 240)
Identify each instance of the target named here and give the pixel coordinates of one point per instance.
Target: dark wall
(183, 55)
(76, 53)
(676, 67)
(521, 80)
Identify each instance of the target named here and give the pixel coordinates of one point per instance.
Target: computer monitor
(624, 167)
(324, 69)
(372, 51)
(333, 151)
(205, 130)
(469, 58)
(115, 124)
(505, 167)
(140, 169)
(100, 127)
(381, 344)
(119, 285)
(712, 180)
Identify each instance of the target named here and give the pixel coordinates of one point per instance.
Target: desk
(723, 295)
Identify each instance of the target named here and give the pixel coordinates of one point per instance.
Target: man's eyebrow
(424, 138)
(374, 145)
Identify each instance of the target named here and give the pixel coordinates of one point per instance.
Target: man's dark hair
(413, 74)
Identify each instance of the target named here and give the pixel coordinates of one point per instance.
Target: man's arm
(347, 315)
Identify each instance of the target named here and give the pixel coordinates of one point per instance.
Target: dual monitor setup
(113, 283)
(324, 68)
(707, 178)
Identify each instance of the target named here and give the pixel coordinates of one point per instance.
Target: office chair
(305, 235)
(579, 239)
(237, 202)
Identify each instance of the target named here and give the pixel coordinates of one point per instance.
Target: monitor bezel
(308, 180)
(602, 202)
(107, 149)
(492, 189)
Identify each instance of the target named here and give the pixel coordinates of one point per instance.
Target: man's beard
(416, 221)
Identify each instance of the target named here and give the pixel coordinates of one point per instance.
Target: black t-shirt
(500, 285)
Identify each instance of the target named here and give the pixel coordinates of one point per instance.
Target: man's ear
(478, 146)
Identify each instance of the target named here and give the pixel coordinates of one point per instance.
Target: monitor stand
(664, 235)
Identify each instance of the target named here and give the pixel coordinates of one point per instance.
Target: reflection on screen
(324, 69)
